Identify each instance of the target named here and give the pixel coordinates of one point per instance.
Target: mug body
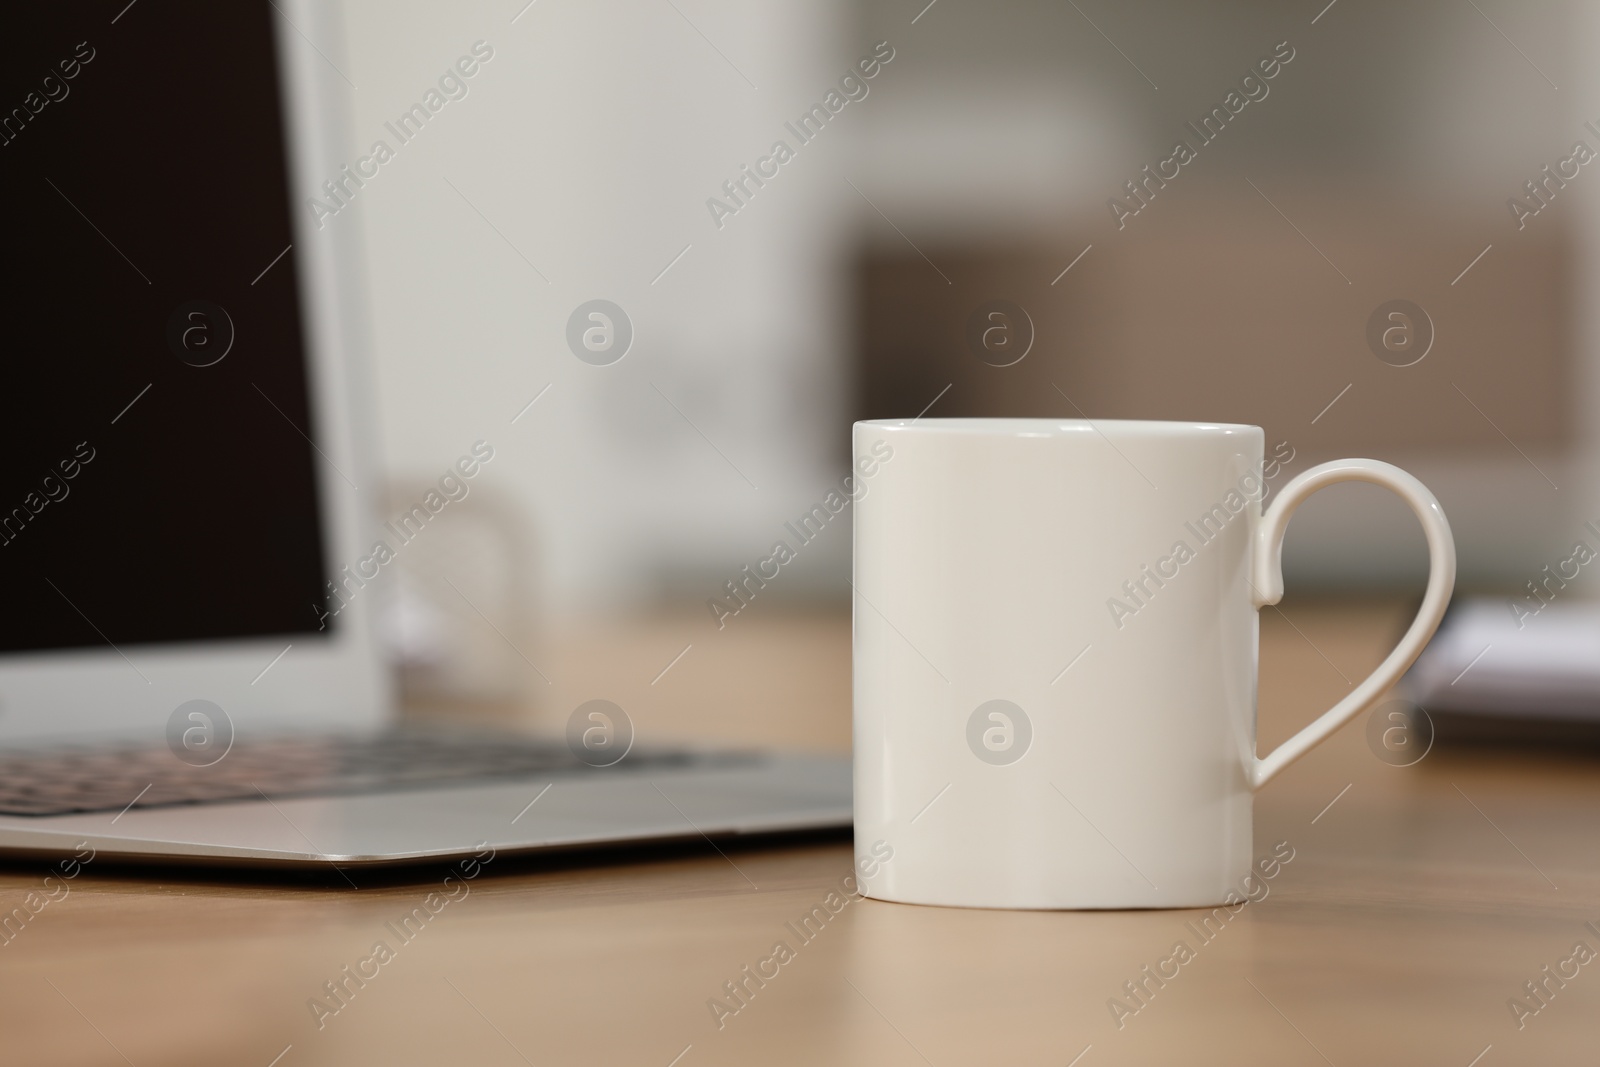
(1055, 661)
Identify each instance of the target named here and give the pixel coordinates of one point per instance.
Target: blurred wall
(979, 166)
(577, 167)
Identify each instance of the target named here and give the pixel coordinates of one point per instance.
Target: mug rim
(1032, 427)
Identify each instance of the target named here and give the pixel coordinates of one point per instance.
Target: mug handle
(1268, 584)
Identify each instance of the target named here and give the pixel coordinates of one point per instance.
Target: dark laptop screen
(158, 481)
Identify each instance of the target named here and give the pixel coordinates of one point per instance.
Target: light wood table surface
(1419, 901)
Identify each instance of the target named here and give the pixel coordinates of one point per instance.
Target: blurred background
(978, 172)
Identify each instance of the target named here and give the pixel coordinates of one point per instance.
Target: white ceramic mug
(1055, 655)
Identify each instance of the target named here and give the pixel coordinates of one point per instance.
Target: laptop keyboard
(116, 777)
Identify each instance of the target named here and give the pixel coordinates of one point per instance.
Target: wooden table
(1419, 902)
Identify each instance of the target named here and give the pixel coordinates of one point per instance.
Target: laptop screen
(159, 474)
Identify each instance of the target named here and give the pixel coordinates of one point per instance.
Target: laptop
(186, 479)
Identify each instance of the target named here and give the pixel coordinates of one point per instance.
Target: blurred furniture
(1219, 310)
(1419, 900)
